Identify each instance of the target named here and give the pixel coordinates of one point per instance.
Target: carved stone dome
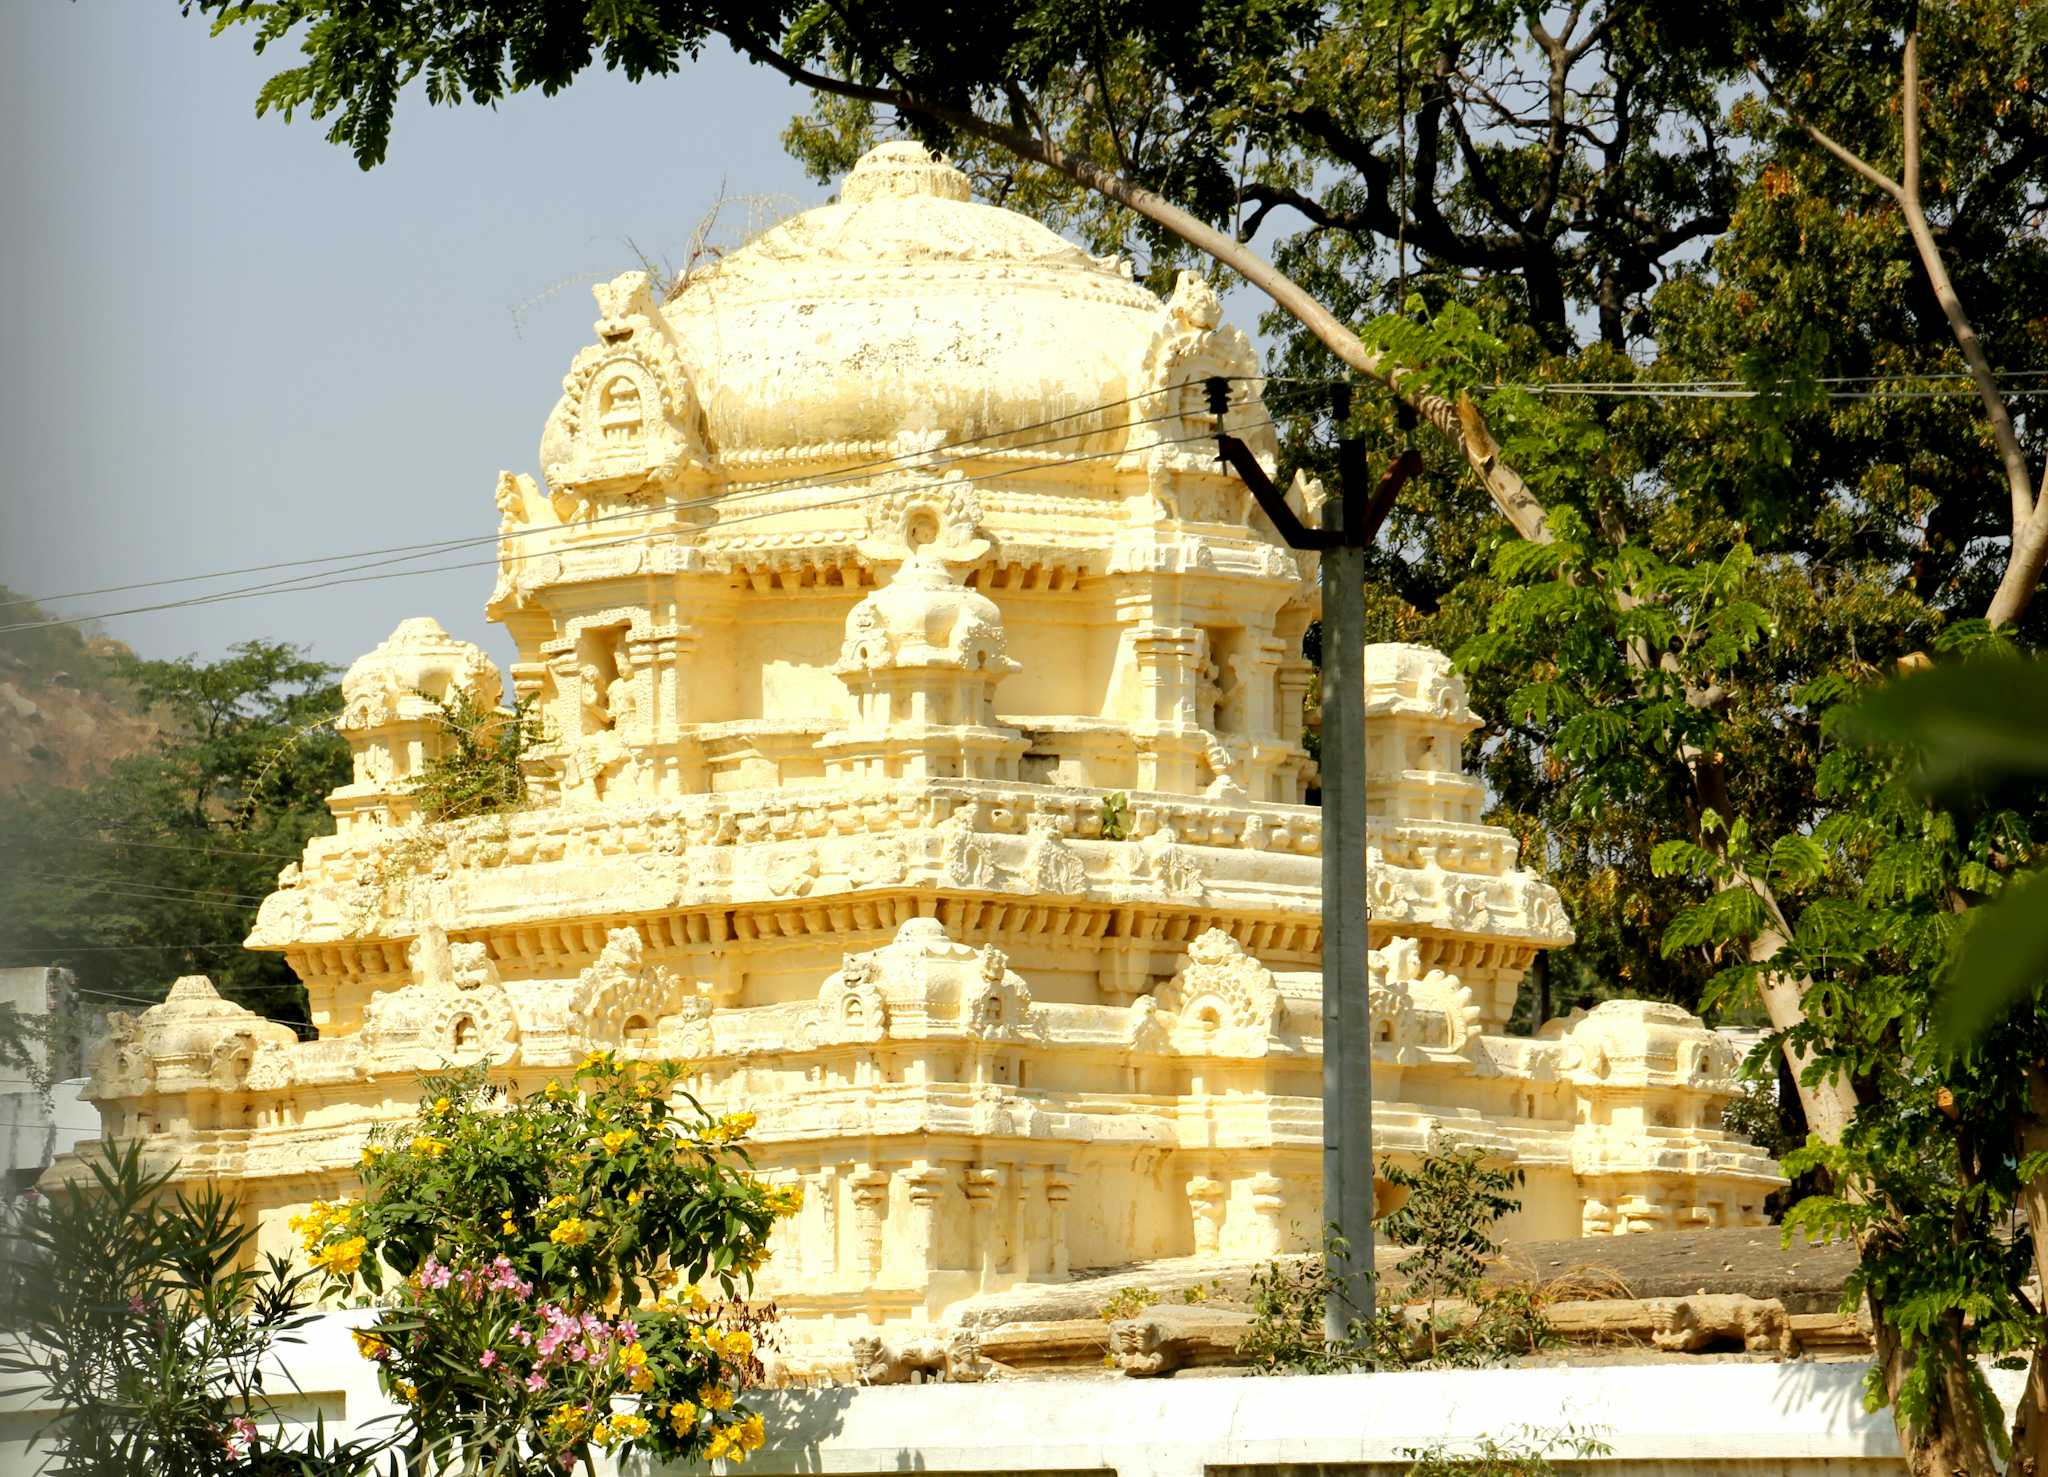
(906, 310)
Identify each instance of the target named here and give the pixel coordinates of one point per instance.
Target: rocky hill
(65, 713)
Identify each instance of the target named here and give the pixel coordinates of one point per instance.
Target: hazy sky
(226, 345)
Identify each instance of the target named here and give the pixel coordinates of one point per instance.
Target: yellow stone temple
(924, 763)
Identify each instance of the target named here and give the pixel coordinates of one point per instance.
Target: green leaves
(2003, 958)
(1964, 720)
(134, 1312)
(1732, 915)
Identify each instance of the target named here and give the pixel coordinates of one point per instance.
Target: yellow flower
(731, 1126)
(682, 1417)
(440, 1105)
(566, 1424)
(427, 1144)
(595, 1059)
(628, 1426)
(410, 1391)
(715, 1397)
(634, 1197)
(738, 1344)
(753, 1432)
(785, 1199)
(553, 1091)
(320, 1218)
(369, 1345)
(571, 1232)
(642, 1380)
(633, 1355)
(371, 1154)
(342, 1258)
(618, 1139)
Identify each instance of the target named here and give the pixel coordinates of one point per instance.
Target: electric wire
(921, 459)
(137, 888)
(191, 847)
(308, 583)
(445, 545)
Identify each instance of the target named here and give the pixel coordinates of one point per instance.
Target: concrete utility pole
(1350, 521)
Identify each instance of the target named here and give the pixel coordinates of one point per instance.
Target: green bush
(566, 1270)
(1447, 1224)
(133, 1312)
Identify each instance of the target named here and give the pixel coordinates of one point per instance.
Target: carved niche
(1223, 1001)
(997, 1002)
(621, 998)
(850, 1005)
(1190, 346)
(1408, 1007)
(456, 1010)
(628, 418)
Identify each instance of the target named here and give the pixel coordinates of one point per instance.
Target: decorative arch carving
(622, 995)
(629, 414)
(1223, 1001)
(850, 1005)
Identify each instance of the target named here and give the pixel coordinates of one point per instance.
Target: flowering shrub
(567, 1269)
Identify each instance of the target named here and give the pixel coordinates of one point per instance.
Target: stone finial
(903, 170)
(392, 696)
(194, 1041)
(417, 665)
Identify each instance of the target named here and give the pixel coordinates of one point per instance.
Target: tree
(155, 867)
(1616, 196)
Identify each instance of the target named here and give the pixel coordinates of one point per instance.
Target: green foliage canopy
(154, 867)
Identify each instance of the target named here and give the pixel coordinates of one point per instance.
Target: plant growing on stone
(136, 1315)
(1527, 1451)
(1455, 1199)
(563, 1271)
(1128, 1302)
(479, 771)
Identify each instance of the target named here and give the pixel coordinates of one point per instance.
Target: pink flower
(241, 1434)
(490, 1357)
(536, 1381)
(628, 1331)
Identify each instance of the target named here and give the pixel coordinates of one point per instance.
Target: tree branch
(2029, 532)
(1461, 421)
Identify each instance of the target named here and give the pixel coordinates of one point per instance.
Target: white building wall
(1671, 1419)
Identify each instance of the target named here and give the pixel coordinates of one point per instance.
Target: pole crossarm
(1356, 533)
